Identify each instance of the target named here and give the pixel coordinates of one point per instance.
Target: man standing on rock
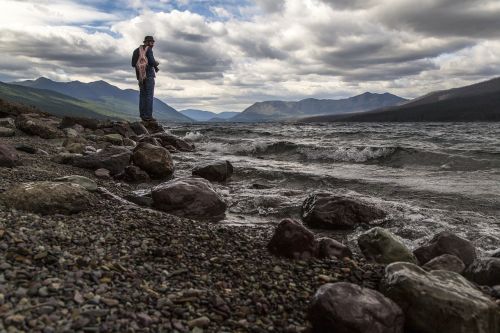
(145, 68)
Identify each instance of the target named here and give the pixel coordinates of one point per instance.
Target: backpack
(142, 63)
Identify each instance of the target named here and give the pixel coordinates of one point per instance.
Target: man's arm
(151, 59)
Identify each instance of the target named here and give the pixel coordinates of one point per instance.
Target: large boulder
(439, 301)
(214, 171)
(189, 197)
(153, 127)
(174, 141)
(348, 308)
(113, 158)
(156, 161)
(446, 243)
(328, 248)
(324, 210)
(8, 157)
(484, 271)
(447, 262)
(34, 125)
(381, 246)
(292, 240)
(123, 128)
(48, 197)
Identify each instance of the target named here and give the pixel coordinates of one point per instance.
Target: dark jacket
(150, 68)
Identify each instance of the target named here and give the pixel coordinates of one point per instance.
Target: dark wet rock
(156, 161)
(484, 271)
(123, 128)
(345, 307)
(446, 243)
(383, 247)
(7, 122)
(84, 122)
(447, 262)
(439, 301)
(214, 171)
(129, 142)
(189, 197)
(328, 248)
(113, 158)
(139, 128)
(292, 240)
(324, 210)
(153, 127)
(48, 197)
(8, 157)
(34, 125)
(114, 138)
(102, 173)
(7, 132)
(84, 182)
(134, 174)
(172, 140)
(150, 140)
(141, 197)
(27, 149)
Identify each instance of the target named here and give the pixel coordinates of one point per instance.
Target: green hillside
(55, 103)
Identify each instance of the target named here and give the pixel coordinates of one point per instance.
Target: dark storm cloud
(468, 18)
(74, 52)
(259, 49)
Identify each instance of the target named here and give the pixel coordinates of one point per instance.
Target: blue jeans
(147, 90)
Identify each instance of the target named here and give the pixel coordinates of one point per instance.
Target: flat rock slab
(48, 197)
(113, 158)
(189, 197)
(345, 307)
(84, 182)
(439, 301)
(324, 210)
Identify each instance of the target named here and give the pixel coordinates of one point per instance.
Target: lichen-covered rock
(214, 171)
(439, 301)
(8, 157)
(446, 243)
(189, 197)
(347, 308)
(48, 197)
(156, 161)
(447, 262)
(324, 210)
(484, 271)
(380, 245)
(292, 240)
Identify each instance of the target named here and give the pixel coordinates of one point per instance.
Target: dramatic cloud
(226, 54)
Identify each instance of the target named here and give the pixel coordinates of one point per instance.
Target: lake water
(429, 177)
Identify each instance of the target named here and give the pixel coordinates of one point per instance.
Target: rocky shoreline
(77, 256)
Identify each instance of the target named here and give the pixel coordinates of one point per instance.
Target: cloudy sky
(223, 55)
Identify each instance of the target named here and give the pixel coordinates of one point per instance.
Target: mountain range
(204, 116)
(107, 99)
(476, 102)
(281, 110)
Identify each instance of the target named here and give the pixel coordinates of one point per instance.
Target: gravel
(118, 267)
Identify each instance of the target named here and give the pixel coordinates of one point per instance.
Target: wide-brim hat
(149, 39)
